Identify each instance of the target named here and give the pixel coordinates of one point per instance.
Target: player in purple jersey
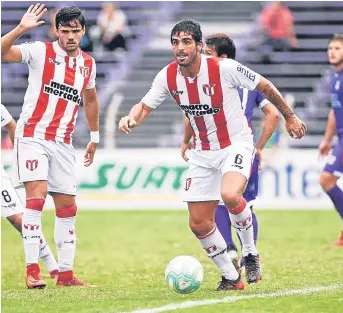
(220, 45)
(334, 166)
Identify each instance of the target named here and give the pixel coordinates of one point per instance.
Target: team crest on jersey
(31, 164)
(84, 71)
(188, 183)
(208, 89)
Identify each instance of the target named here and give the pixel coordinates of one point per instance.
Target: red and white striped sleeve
(158, 91)
(238, 75)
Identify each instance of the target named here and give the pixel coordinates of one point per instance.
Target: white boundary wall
(154, 179)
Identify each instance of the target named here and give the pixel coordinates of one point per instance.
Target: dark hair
(222, 44)
(337, 37)
(189, 27)
(66, 15)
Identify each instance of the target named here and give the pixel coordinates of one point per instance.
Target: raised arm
(31, 19)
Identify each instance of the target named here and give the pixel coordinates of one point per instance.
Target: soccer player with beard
(220, 45)
(205, 89)
(60, 75)
(334, 167)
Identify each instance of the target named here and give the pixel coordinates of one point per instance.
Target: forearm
(8, 40)
(274, 96)
(330, 127)
(92, 114)
(139, 113)
(11, 129)
(188, 131)
(269, 125)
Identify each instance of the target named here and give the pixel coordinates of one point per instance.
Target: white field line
(192, 304)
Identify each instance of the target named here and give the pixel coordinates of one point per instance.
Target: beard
(189, 62)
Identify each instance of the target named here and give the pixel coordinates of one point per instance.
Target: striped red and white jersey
(210, 101)
(53, 95)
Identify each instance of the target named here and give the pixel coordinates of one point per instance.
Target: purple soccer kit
(335, 161)
(250, 99)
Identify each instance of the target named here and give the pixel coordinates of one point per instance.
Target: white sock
(46, 255)
(31, 230)
(215, 247)
(65, 239)
(243, 224)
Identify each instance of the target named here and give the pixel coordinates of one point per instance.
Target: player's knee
(231, 199)
(327, 181)
(36, 204)
(69, 211)
(36, 190)
(201, 228)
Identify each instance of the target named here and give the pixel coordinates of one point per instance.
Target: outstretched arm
(294, 125)
(137, 115)
(31, 19)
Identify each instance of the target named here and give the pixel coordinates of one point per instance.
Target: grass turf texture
(125, 255)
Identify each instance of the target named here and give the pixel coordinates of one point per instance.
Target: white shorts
(53, 161)
(10, 200)
(206, 168)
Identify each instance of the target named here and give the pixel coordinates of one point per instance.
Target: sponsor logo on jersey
(54, 61)
(246, 72)
(199, 109)
(176, 92)
(63, 91)
(335, 103)
(208, 89)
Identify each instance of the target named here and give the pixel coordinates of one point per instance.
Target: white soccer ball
(184, 274)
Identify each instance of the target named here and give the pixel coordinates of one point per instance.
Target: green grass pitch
(125, 255)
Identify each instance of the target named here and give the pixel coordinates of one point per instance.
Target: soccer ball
(184, 274)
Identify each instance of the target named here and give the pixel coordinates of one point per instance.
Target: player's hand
(295, 127)
(31, 18)
(184, 148)
(259, 155)
(126, 123)
(324, 148)
(89, 155)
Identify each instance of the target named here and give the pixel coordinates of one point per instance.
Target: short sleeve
(6, 117)
(91, 84)
(261, 101)
(239, 75)
(30, 51)
(158, 91)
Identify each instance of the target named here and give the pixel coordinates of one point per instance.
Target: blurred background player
(334, 167)
(11, 206)
(204, 89)
(220, 45)
(60, 75)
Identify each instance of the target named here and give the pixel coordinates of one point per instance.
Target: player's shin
(47, 257)
(215, 247)
(31, 229)
(65, 237)
(241, 219)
